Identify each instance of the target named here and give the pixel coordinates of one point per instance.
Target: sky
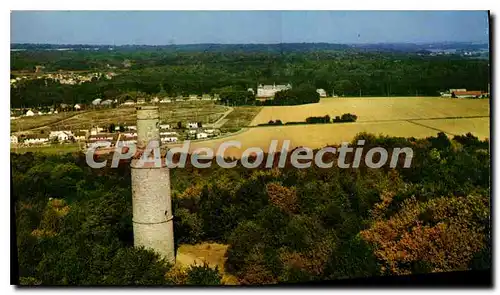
(237, 27)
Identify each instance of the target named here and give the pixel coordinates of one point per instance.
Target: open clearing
(211, 253)
(378, 109)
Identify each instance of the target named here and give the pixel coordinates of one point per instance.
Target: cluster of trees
(282, 225)
(345, 118)
(301, 94)
(346, 72)
(317, 120)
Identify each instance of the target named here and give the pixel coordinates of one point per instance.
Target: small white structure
(209, 131)
(129, 102)
(192, 131)
(169, 139)
(40, 113)
(164, 126)
(193, 97)
(14, 139)
(30, 113)
(117, 128)
(96, 101)
(141, 101)
(168, 133)
(166, 100)
(201, 135)
(77, 107)
(155, 100)
(61, 135)
(193, 125)
(321, 92)
(36, 139)
(131, 128)
(107, 102)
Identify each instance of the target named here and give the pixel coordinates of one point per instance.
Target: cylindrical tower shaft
(151, 197)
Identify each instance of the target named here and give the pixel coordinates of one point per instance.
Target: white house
(168, 133)
(193, 97)
(166, 100)
(96, 101)
(192, 131)
(61, 135)
(209, 131)
(14, 139)
(131, 128)
(201, 135)
(193, 125)
(141, 101)
(107, 102)
(77, 107)
(155, 99)
(30, 113)
(164, 126)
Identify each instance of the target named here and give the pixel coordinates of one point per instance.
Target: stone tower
(151, 201)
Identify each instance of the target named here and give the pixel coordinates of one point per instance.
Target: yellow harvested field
(480, 127)
(320, 135)
(378, 109)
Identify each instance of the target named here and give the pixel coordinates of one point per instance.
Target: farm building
(268, 91)
(30, 113)
(164, 126)
(468, 94)
(141, 101)
(78, 107)
(36, 139)
(14, 139)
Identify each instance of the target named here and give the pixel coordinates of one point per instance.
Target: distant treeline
(316, 120)
(170, 73)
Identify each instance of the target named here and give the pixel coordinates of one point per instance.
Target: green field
(196, 111)
(47, 149)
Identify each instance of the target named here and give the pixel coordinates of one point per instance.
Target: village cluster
(125, 134)
(64, 77)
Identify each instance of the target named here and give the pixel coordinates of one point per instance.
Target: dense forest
(168, 72)
(74, 223)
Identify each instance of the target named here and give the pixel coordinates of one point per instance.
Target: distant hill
(282, 47)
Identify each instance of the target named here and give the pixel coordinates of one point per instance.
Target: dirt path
(221, 120)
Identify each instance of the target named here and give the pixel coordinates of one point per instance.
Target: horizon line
(278, 43)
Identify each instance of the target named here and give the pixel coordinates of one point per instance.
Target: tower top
(147, 113)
